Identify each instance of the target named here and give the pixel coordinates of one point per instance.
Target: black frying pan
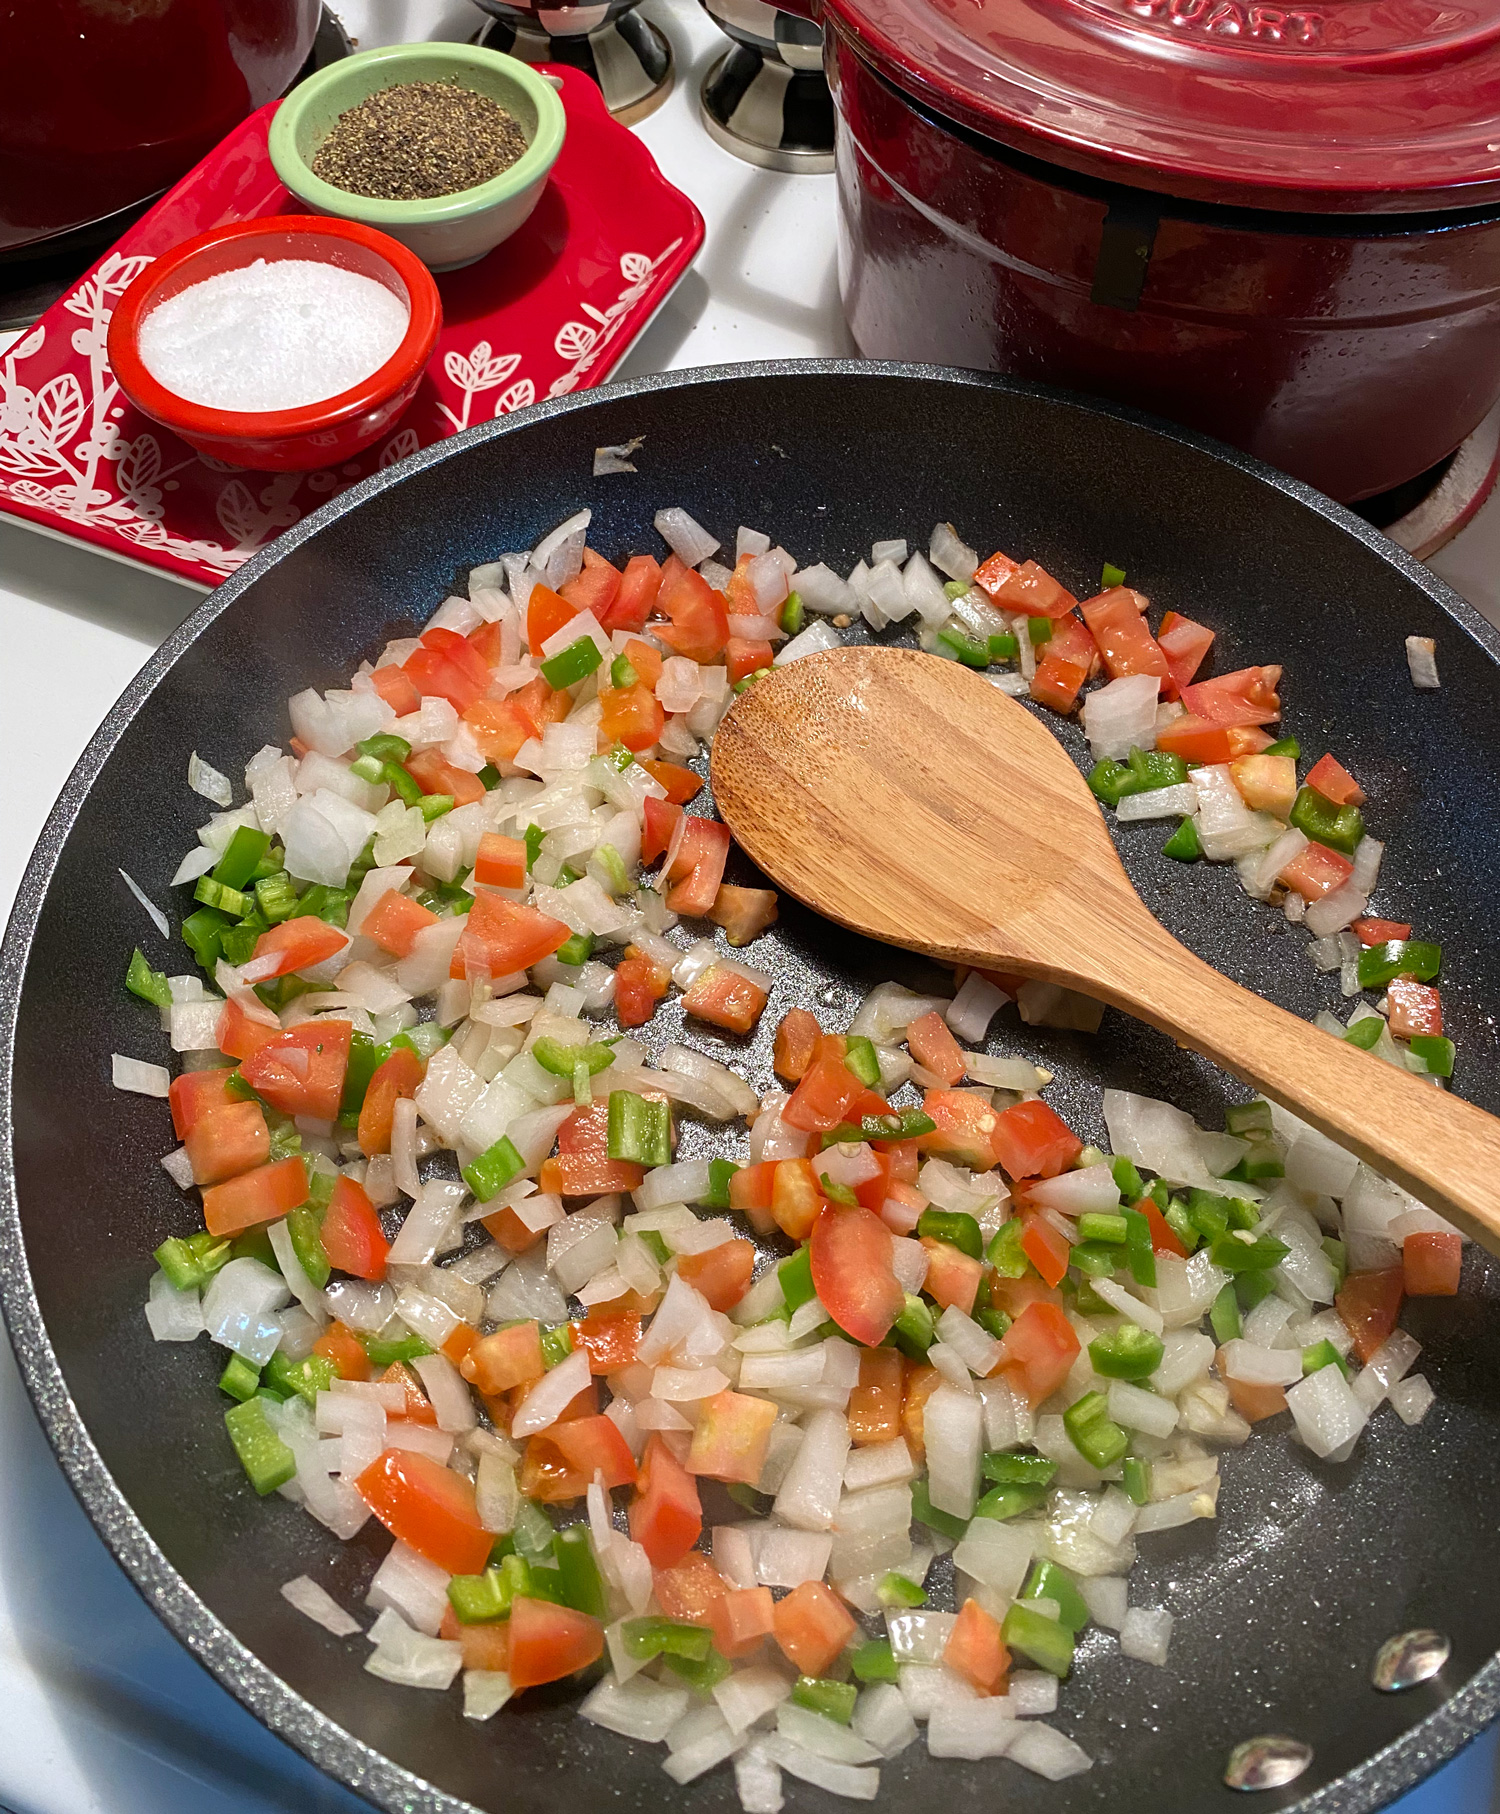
(1282, 1604)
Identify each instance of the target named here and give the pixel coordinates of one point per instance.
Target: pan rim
(1372, 1785)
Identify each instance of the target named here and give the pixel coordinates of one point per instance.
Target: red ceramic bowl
(292, 440)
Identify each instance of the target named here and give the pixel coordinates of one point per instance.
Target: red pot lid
(1314, 105)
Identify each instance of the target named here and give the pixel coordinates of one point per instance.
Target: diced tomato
(1315, 871)
(1266, 783)
(595, 588)
(1015, 1295)
(751, 1192)
(458, 1341)
(547, 1476)
(1334, 782)
(744, 913)
(873, 1192)
(739, 590)
(812, 1626)
(646, 660)
(1032, 1140)
(228, 1140)
(666, 1516)
(744, 656)
(635, 596)
(611, 1341)
(418, 1406)
(700, 859)
(1369, 1303)
(906, 1160)
(1415, 1008)
(549, 1642)
(640, 983)
(510, 1231)
(434, 775)
(509, 1358)
(933, 1046)
(901, 1208)
(700, 625)
(690, 1591)
(394, 922)
(344, 1348)
(1247, 696)
(1195, 740)
(920, 1384)
(1032, 589)
(796, 1043)
(435, 674)
(726, 998)
(730, 1438)
(952, 1276)
(1072, 641)
(301, 1071)
(501, 862)
(428, 1507)
(485, 1646)
(796, 1201)
(1056, 682)
(975, 1649)
(1254, 1403)
(965, 1131)
(720, 1274)
(239, 1035)
(486, 643)
(1379, 932)
(264, 1195)
(582, 1167)
(852, 1272)
(297, 944)
(503, 936)
(546, 613)
(824, 1097)
(396, 689)
(1038, 1351)
(593, 1445)
(1185, 644)
(547, 705)
(395, 1077)
(1117, 622)
(681, 783)
(1164, 1238)
(742, 1619)
(1431, 1264)
(875, 1403)
(194, 1094)
(352, 1236)
(500, 727)
(662, 819)
(630, 715)
(1046, 1248)
(992, 574)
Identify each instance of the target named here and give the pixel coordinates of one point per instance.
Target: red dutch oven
(1279, 224)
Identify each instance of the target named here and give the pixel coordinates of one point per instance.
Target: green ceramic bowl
(445, 231)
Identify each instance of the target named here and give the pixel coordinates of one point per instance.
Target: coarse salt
(278, 334)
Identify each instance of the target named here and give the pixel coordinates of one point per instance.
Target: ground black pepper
(417, 140)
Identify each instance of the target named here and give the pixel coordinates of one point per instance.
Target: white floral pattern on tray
(77, 457)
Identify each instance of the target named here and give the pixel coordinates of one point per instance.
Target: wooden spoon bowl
(907, 798)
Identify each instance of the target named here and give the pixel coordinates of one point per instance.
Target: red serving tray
(551, 310)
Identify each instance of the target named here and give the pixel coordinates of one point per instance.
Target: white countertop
(101, 1711)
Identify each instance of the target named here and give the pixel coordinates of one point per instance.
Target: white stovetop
(101, 1711)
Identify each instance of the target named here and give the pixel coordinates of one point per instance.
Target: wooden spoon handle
(1443, 1150)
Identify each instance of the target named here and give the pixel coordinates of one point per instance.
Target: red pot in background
(105, 102)
(1278, 227)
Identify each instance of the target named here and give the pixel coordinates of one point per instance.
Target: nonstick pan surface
(1281, 1604)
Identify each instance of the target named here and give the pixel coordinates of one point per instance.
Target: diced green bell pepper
(1140, 1256)
(1339, 827)
(859, 1056)
(1010, 1501)
(313, 1374)
(1127, 1179)
(1382, 964)
(1136, 1481)
(190, 1260)
(385, 1351)
(1008, 1469)
(1005, 1252)
(266, 1459)
(582, 1584)
(1049, 1582)
(1183, 845)
(795, 1273)
(572, 664)
(239, 1379)
(955, 1226)
(1286, 746)
(1111, 1229)
(1111, 577)
(557, 1344)
(562, 1061)
(1436, 1051)
(899, 1590)
(1225, 1316)
(236, 867)
(151, 985)
(1323, 1354)
(720, 1171)
(496, 1167)
(1128, 1352)
(654, 1636)
(481, 1599)
(914, 1330)
(834, 1700)
(874, 1661)
(1046, 1642)
(639, 1130)
(1235, 1255)
(1097, 1439)
(925, 1512)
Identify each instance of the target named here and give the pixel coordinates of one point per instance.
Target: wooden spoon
(907, 798)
